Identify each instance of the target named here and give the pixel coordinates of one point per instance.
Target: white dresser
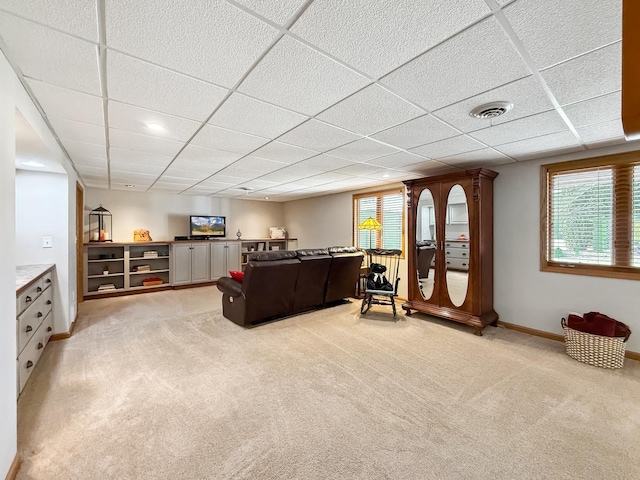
(457, 254)
(34, 305)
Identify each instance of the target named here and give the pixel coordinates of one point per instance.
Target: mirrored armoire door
(450, 247)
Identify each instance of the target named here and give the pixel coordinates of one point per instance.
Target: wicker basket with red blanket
(596, 339)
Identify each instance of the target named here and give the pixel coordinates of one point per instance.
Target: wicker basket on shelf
(597, 350)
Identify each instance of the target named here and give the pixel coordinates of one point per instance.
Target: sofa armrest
(229, 286)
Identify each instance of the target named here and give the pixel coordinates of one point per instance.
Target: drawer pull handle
(28, 329)
(29, 364)
(48, 280)
(28, 299)
(464, 264)
(39, 314)
(39, 289)
(40, 346)
(48, 302)
(49, 329)
(464, 254)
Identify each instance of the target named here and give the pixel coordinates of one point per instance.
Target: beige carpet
(162, 386)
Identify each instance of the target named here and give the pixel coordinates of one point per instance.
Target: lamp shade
(370, 224)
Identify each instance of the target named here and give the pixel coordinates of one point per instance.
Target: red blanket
(598, 324)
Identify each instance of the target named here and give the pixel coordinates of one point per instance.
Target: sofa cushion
(312, 252)
(333, 250)
(272, 256)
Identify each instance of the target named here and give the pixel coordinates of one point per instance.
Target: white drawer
(457, 264)
(457, 253)
(29, 321)
(27, 297)
(28, 359)
(47, 300)
(456, 245)
(47, 328)
(47, 280)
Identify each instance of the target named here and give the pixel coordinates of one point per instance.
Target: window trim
(622, 227)
(379, 194)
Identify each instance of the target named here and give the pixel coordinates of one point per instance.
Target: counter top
(27, 274)
(168, 242)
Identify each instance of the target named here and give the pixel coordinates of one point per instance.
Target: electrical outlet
(47, 242)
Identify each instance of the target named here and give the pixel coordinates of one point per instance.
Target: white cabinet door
(233, 257)
(200, 262)
(218, 260)
(181, 264)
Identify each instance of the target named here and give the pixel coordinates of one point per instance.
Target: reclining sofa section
(285, 282)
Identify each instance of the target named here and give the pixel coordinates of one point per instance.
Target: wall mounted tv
(207, 226)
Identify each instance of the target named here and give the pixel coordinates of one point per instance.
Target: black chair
(382, 290)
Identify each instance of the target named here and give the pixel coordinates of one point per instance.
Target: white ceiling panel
(425, 129)
(359, 169)
(588, 76)
(521, 129)
(224, 178)
(574, 28)
(283, 152)
(258, 165)
(86, 161)
(363, 150)
(80, 132)
(68, 104)
(248, 115)
(214, 185)
(376, 37)
(486, 156)
(77, 18)
(228, 140)
(92, 170)
(167, 180)
(318, 136)
(430, 167)
(397, 160)
(601, 131)
(166, 188)
(207, 39)
(49, 56)
(562, 142)
(96, 182)
(256, 184)
(297, 77)
(160, 89)
(130, 159)
(370, 110)
(125, 176)
(448, 147)
(143, 143)
(278, 11)
(82, 149)
(526, 95)
(189, 176)
(136, 119)
(476, 60)
(195, 155)
(595, 110)
(321, 163)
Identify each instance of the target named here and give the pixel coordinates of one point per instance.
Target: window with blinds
(591, 221)
(388, 210)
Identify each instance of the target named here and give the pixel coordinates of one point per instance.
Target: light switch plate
(47, 242)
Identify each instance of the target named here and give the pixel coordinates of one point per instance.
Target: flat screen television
(207, 226)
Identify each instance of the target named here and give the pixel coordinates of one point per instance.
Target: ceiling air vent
(491, 110)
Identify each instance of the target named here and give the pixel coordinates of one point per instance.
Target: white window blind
(581, 217)
(635, 226)
(388, 210)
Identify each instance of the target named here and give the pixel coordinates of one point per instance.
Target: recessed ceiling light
(31, 163)
(386, 175)
(266, 198)
(491, 110)
(128, 185)
(154, 126)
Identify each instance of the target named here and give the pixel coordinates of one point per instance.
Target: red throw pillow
(237, 276)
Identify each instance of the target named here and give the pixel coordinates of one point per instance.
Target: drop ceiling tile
(397, 160)
(370, 110)
(476, 60)
(283, 152)
(278, 11)
(196, 153)
(450, 146)
(68, 104)
(376, 37)
(81, 132)
(556, 143)
(362, 150)
(484, 157)
(199, 168)
(601, 131)
(419, 131)
(155, 88)
(160, 188)
(248, 115)
(49, 56)
(553, 31)
(595, 110)
(256, 184)
(297, 77)
(228, 140)
(430, 167)
(125, 176)
(130, 159)
(316, 180)
(166, 180)
(526, 95)
(588, 76)
(521, 129)
(318, 136)
(207, 39)
(224, 178)
(322, 163)
(82, 149)
(87, 161)
(96, 183)
(282, 176)
(197, 190)
(213, 185)
(77, 18)
(257, 165)
(359, 169)
(143, 143)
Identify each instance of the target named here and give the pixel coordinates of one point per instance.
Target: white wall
(8, 412)
(524, 295)
(167, 215)
(42, 210)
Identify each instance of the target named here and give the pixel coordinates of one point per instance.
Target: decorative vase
(238, 234)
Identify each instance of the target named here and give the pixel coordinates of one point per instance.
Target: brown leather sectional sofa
(285, 282)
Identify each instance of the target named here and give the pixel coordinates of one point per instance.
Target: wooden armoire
(450, 230)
